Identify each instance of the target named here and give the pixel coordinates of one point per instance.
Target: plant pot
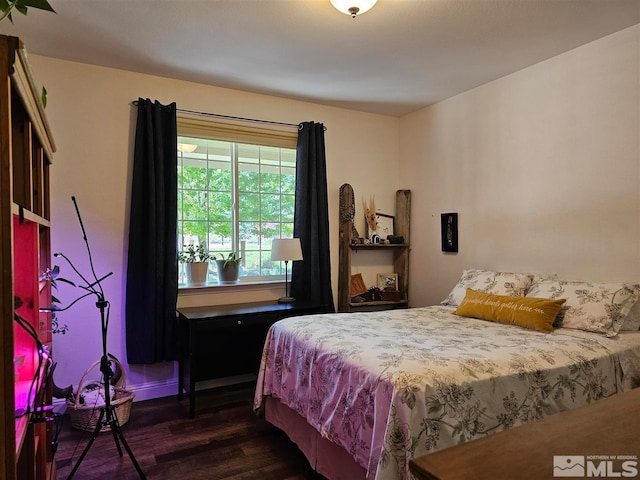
(197, 273)
(228, 274)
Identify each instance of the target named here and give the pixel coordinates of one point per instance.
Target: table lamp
(286, 249)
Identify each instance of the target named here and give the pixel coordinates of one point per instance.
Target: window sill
(235, 287)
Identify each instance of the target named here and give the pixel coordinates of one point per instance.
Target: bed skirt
(325, 457)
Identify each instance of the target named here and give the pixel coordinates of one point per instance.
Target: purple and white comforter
(388, 386)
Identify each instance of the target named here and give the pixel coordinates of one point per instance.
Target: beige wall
(542, 166)
(93, 122)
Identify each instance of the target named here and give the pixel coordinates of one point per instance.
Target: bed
(363, 393)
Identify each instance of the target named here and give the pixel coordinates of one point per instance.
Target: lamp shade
(353, 7)
(286, 249)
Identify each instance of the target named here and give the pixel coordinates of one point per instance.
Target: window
(236, 192)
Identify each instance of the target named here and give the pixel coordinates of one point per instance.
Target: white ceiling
(397, 58)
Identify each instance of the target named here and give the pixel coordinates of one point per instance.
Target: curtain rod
(230, 117)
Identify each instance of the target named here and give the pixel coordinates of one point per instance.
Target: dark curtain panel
(311, 277)
(152, 276)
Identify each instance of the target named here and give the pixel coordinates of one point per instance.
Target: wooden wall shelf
(377, 246)
(400, 256)
(29, 216)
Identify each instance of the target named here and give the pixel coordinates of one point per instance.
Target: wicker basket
(85, 417)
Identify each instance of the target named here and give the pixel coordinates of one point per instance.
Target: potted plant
(22, 7)
(228, 267)
(51, 275)
(197, 263)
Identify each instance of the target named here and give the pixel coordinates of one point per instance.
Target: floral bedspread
(388, 386)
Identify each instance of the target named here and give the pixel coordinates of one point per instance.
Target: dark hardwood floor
(225, 441)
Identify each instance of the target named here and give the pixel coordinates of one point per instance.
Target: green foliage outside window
(263, 192)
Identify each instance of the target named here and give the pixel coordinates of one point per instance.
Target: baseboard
(151, 390)
(145, 391)
(223, 382)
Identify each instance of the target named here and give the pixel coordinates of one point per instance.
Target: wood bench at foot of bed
(606, 428)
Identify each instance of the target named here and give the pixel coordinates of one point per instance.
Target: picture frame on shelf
(387, 281)
(357, 285)
(386, 225)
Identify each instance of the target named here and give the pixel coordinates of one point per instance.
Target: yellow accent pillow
(529, 312)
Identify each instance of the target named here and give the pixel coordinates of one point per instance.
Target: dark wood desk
(225, 340)
(608, 427)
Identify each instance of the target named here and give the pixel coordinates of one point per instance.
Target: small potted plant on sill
(228, 268)
(197, 263)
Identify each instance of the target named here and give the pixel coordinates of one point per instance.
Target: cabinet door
(230, 345)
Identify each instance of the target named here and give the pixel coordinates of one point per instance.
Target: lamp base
(286, 300)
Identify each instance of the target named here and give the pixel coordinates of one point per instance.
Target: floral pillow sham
(487, 281)
(593, 307)
(632, 322)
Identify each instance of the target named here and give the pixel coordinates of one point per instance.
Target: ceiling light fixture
(353, 7)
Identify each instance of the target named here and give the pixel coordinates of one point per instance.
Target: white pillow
(593, 307)
(487, 281)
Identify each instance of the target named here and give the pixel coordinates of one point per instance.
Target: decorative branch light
(353, 7)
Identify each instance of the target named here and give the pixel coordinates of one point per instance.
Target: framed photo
(449, 228)
(386, 225)
(388, 281)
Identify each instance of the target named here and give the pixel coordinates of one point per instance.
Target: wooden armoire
(26, 151)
